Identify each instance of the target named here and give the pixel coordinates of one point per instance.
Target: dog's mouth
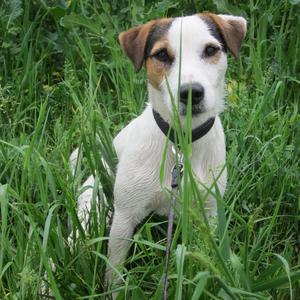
(196, 109)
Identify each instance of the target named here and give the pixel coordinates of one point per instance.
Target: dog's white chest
(142, 182)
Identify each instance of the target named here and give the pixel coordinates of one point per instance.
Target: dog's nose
(196, 90)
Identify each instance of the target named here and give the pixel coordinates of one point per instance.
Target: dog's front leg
(121, 231)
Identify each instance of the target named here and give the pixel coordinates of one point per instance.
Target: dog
(195, 49)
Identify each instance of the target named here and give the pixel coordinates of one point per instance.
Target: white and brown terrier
(196, 46)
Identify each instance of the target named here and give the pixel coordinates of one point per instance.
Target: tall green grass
(64, 83)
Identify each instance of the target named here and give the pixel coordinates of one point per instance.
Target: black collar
(197, 133)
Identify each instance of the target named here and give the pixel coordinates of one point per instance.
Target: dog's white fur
(139, 146)
(195, 36)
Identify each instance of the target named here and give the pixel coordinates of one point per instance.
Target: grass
(64, 83)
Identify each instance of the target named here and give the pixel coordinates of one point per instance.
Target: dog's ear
(133, 42)
(233, 30)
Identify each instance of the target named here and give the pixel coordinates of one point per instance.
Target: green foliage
(64, 83)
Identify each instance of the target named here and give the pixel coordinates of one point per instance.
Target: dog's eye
(211, 50)
(163, 56)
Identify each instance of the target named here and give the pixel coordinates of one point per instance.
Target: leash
(177, 172)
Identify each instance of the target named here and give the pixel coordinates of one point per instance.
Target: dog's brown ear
(233, 30)
(133, 42)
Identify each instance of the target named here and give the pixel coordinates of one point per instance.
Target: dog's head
(185, 55)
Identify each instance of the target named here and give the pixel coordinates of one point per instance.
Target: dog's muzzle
(194, 91)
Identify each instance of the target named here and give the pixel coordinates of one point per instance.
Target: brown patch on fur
(232, 31)
(157, 70)
(215, 58)
(162, 43)
(133, 41)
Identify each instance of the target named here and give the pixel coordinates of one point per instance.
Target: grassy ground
(65, 83)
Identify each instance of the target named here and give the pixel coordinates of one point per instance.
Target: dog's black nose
(196, 90)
